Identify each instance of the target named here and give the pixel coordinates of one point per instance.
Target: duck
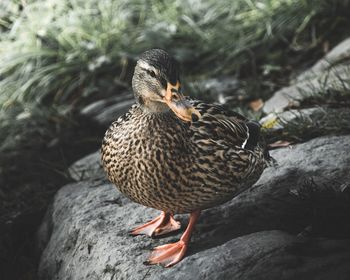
(178, 155)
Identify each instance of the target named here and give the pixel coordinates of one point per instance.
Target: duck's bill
(179, 105)
(184, 110)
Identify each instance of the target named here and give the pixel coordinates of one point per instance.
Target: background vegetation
(57, 56)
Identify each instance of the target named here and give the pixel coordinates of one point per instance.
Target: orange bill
(179, 105)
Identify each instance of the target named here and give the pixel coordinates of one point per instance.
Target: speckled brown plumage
(178, 155)
(161, 162)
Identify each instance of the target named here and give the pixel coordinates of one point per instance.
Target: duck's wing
(223, 127)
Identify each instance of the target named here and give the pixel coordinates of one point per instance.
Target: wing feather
(219, 125)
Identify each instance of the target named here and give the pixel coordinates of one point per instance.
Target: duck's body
(178, 155)
(161, 162)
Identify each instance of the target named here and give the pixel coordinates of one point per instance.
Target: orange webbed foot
(169, 254)
(163, 224)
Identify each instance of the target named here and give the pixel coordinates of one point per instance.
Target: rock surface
(278, 121)
(338, 55)
(253, 236)
(89, 167)
(107, 110)
(221, 90)
(324, 75)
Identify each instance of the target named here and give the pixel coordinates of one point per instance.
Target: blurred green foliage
(60, 51)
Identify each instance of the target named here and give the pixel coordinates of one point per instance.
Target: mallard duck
(178, 155)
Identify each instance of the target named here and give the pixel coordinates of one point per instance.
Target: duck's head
(156, 85)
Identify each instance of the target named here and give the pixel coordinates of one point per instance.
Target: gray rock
(253, 236)
(105, 111)
(337, 55)
(326, 74)
(87, 168)
(267, 255)
(277, 121)
(294, 94)
(221, 90)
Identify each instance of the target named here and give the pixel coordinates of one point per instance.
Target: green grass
(325, 122)
(63, 51)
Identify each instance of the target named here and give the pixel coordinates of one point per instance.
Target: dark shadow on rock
(274, 208)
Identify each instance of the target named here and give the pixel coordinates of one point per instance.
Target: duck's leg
(170, 254)
(163, 224)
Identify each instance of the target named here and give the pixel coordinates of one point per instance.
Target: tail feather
(255, 139)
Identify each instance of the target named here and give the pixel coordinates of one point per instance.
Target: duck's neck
(154, 107)
(156, 117)
(164, 130)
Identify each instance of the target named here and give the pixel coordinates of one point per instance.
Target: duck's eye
(151, 73)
